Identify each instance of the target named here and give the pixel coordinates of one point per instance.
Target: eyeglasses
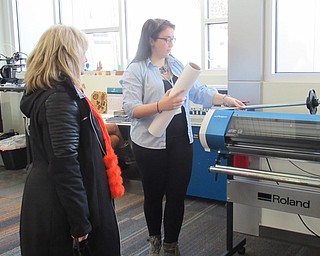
(167, 39)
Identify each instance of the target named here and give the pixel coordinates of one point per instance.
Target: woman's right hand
(171, 101)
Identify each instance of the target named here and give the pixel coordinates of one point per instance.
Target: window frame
(205, 22)
(270, 52)
(14, 33)
(121, 29)
(116, 29)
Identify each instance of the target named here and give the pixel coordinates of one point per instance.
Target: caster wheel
(242, 251)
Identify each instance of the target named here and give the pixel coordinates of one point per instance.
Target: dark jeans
(165, 172)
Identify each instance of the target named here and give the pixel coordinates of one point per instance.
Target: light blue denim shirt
(142, 84)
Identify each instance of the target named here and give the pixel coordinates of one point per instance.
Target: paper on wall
(188, 76)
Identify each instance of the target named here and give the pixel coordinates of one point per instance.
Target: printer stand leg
(231, 250)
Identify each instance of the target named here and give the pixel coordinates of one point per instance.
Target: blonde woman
(68, 196)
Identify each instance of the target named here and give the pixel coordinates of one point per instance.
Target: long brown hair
(150, 29)
(59, 54)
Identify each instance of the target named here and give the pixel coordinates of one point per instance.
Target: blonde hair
(59, 54)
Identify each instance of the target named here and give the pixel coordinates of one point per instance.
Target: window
(30, 29)
(185, 15)
(216, 34)
(113, 28)
(100, 20)
(297, 39)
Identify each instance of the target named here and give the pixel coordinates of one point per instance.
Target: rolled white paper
(188, 76)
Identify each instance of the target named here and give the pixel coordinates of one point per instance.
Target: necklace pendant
(164, 70)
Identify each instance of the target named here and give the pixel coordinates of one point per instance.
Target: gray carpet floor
(203, 232)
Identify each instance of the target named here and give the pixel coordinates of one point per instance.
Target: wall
(287, 92)
(247, 73)
(92, 82)
(208, 78)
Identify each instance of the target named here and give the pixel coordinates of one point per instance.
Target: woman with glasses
(165, 162)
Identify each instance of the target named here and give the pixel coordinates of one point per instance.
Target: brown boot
(170, 249)
(155, 245)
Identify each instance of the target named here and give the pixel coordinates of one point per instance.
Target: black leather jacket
(66, 192)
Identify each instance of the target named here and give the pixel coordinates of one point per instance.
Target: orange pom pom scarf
(110, 159)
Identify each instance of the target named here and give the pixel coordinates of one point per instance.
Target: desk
(119, 120)
(12, 88)
(125, 156)
(122, 122)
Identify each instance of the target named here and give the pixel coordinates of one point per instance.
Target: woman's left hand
(232, 102)
(83, 238)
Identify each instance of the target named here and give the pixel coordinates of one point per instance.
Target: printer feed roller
(294, 136)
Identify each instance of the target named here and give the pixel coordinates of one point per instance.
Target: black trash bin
(14, 159)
